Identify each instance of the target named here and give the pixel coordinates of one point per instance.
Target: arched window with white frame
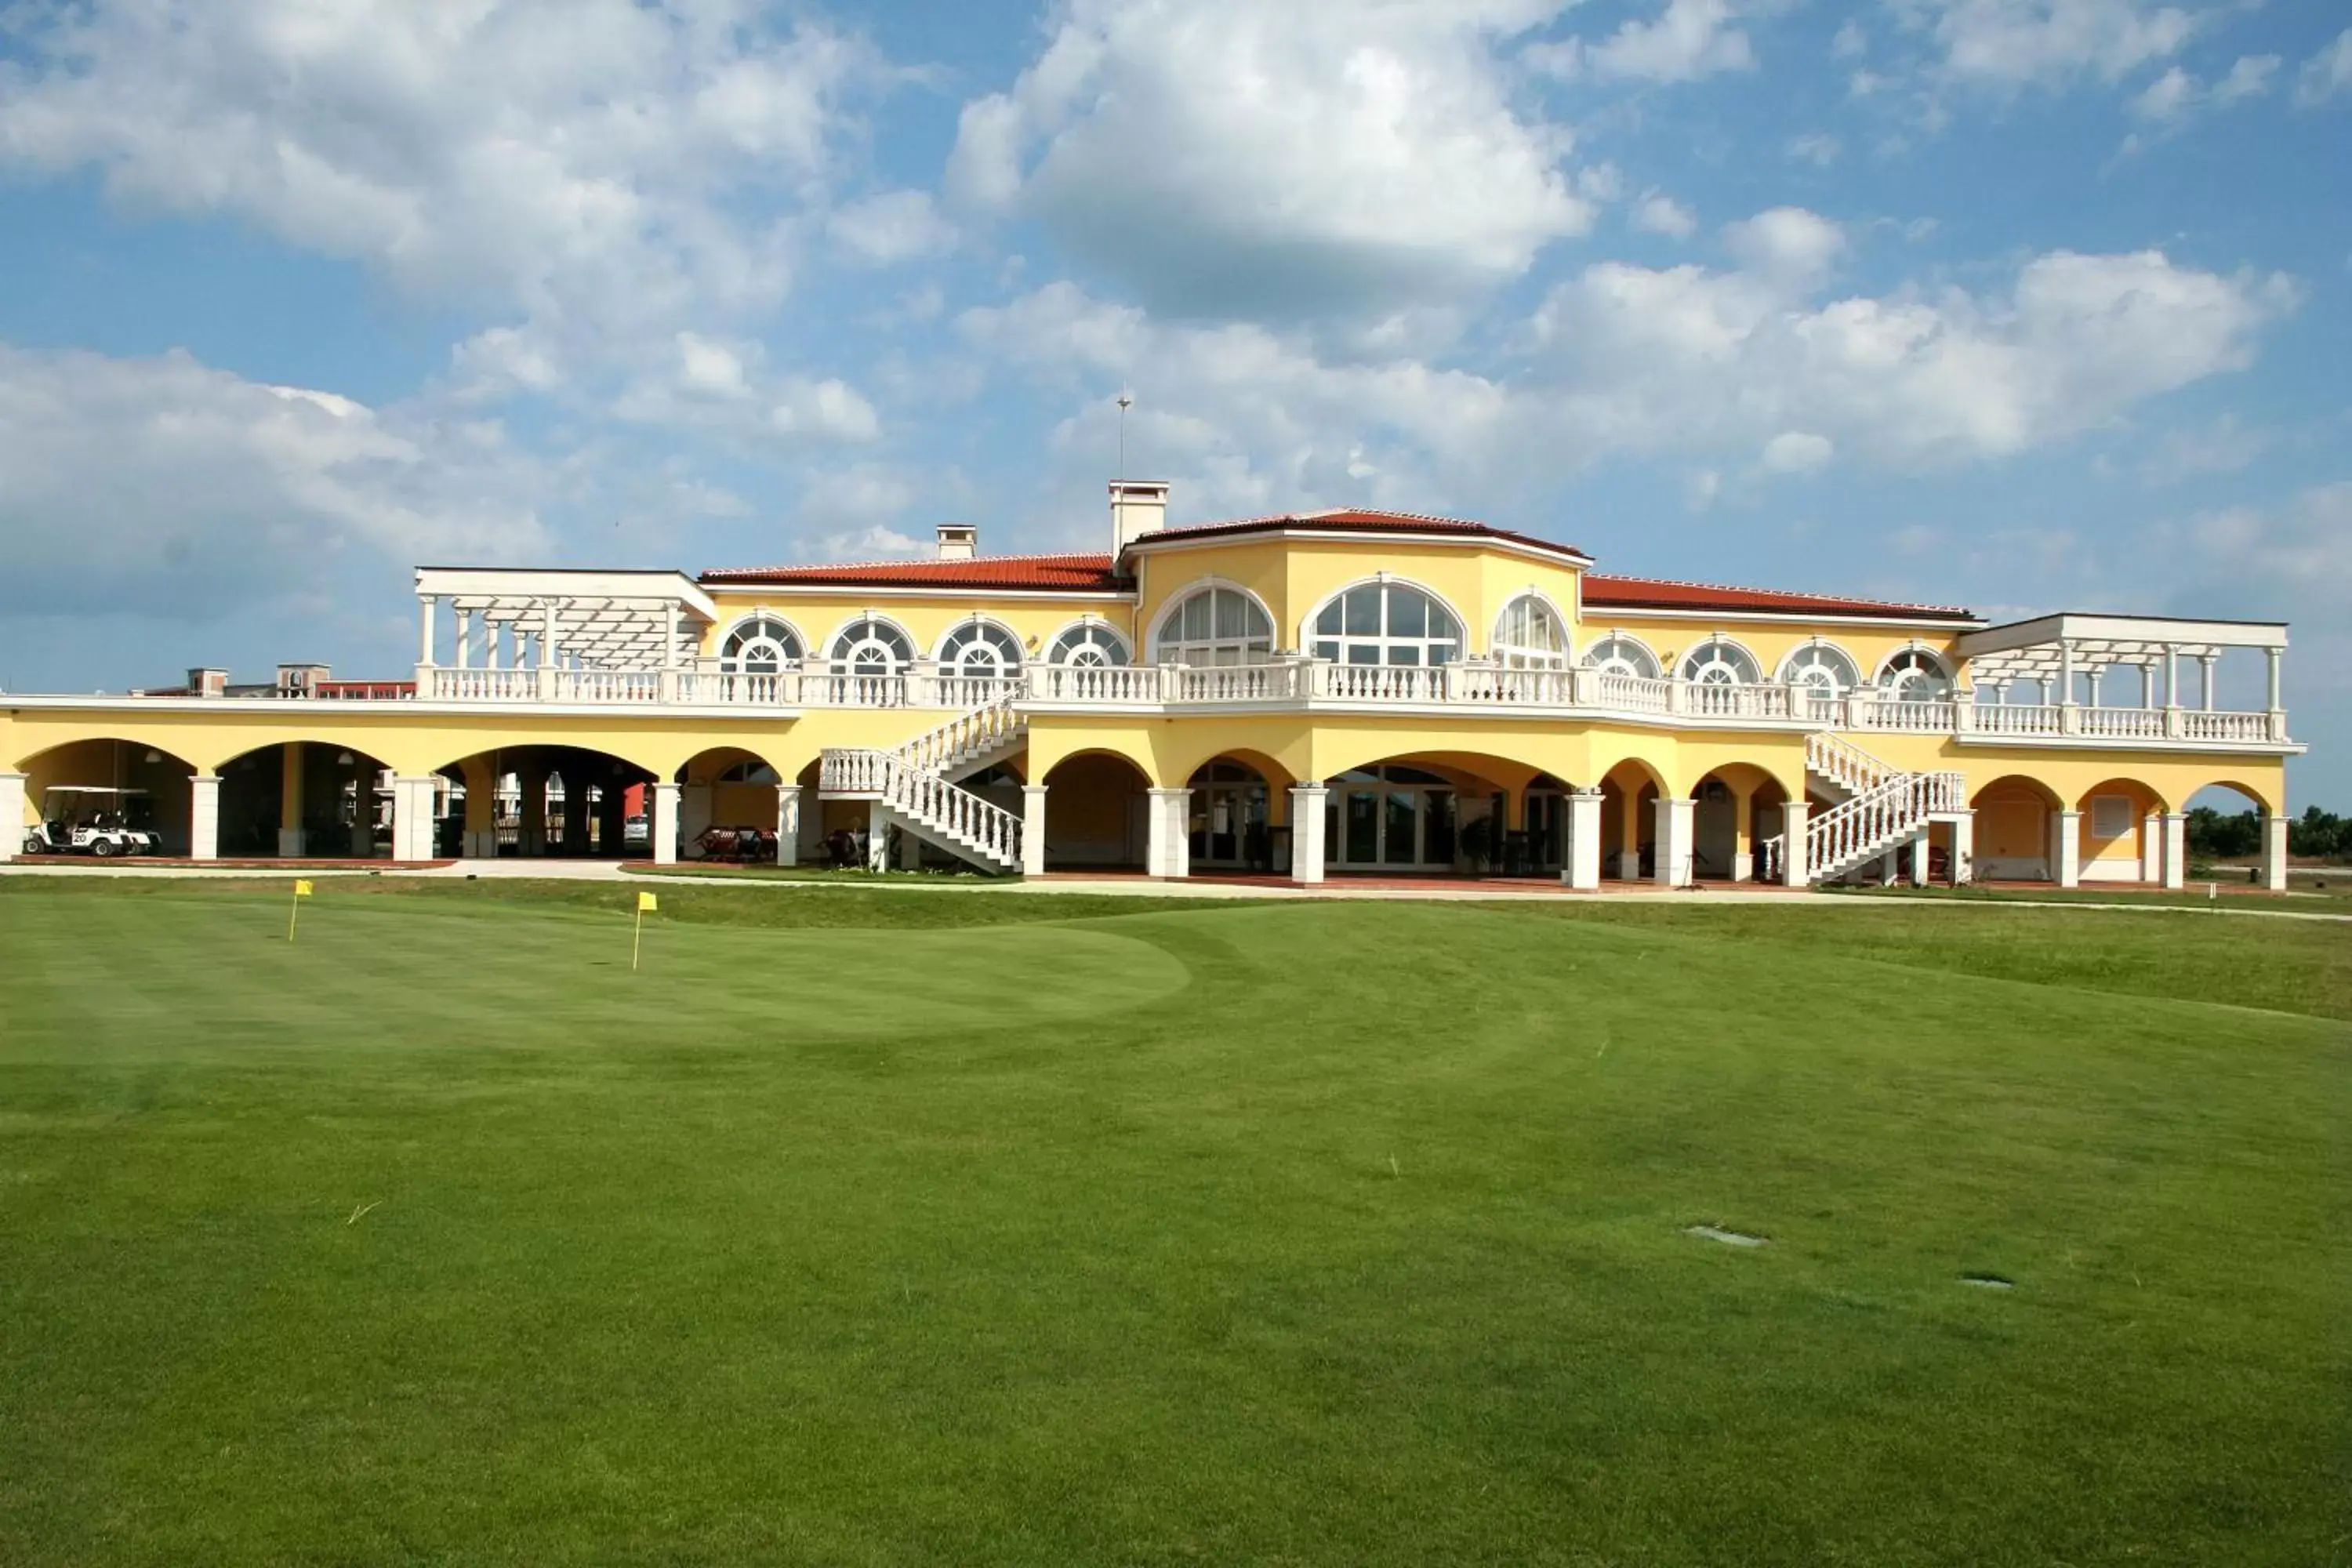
(1386, 622)
(1719, 661)
(1530, 634)
(871, 646)
(1214, 624)
(1916, 675)
(1822, 668)
(1090, 645)
(1618, 654)
(978, 648)
(761, 645)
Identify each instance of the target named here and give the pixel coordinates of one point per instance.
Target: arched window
(1618, 654)
(1916, 675)
(760, 645)
(871, 646)
(1090, 645)
(1215, 625)
(1528, 635)
(1823, 669)
(1387, 622)
(980, 648)
(1719, 661)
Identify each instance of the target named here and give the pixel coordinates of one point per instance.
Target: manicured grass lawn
(895, 1227)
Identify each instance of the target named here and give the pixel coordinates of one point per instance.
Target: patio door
(1228, 817)
(1396, 819)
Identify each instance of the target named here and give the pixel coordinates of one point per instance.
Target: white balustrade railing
(2121, 723)
(2196, 725)
(987, 829)
(1094, 683)
(993, 724)
(1853, 769)
(1632, 693)
(1892, 714)
(1877, 819)
(2007, 718)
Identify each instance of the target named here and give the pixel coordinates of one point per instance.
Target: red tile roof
(1032, 574)
(1352, 520)
(1604, 592)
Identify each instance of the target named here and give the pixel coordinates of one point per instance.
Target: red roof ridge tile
(1593, 577)
(1094, 557)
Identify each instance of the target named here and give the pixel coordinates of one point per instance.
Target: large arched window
(871, 646)
(760, 645)
(1387, 622)
(1618, 654)
(980, 648)
(1529, 634)
(1214, 626)
(1719, 661)
(1823, 668)
(1090, 645)
(1916, 675)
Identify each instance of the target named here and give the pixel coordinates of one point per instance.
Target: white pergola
(595, 620)
(2056, 651)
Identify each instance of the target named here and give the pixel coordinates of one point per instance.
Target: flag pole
(636, 937)
(293, 913)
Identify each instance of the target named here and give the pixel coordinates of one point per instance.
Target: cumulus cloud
(1798, 452)
(2325, 74)
(2010, 44)
(167, 487)
(1242, 160)
(1659, 214)
(724, 388)
(1688, 39)
(896, 226)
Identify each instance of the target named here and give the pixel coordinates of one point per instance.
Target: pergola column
(2068, 844)
(464, 637)
(2275, 853)
(2069, 721)
(204, 817)
(1169, 851)
(1794, 872)
(12, 815)
(665, 821)
(1309, 802)
(1033, 830)
(1580, 864)
(2205, 682)
(788, 823)
(1676, 815)
(425, 604)
(2278, 699)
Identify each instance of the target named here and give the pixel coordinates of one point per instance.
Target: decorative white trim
(1562, 555)
(1722, 618)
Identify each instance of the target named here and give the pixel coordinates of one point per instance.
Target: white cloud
(1659, 214)
(2010, 44)
(1850, 42)
(1788, 244)
(873, 543)
(2188, 452)
(1237, 160)
(1798, 452)
(163, 487)
(896, 226)
(724, 388)
(1817, 147)
(2325, 74)
(1689, 40)
(2284, 561)
(2176, 95)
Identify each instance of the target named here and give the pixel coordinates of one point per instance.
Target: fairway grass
(889, 1227)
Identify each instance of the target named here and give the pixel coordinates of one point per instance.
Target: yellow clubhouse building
(1340, 692)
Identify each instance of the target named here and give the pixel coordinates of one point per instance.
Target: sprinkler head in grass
(1988, 1282)
(1728, 1238)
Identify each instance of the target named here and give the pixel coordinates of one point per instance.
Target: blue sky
(2022, 304)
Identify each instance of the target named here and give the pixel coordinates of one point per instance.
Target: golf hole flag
(647, 902)
(301, 891)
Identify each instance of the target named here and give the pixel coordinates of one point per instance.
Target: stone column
(480, 841)
(290, 798)
(2176, 849)
(204, 817)
(1673, 867)
(1964, 848)
(2151, 847)
(1309, 802)
(411, 818)
(1919, 859)
(1629, 849)
(612, 820)
(531, 835)
(1033, 830)
(1170, 852)
(1743, 834)
(575, 813)
(788, 825)
(877, 836)
(2275, 853)
(1580, 860)
(664, 823)
(2069, 845)
(12, 815)
(1794, 872)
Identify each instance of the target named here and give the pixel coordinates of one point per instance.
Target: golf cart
(89, 819)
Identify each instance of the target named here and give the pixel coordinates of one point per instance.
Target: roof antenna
(1125, 403)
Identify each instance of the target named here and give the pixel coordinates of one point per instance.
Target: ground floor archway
(533, 801)
(111, 781)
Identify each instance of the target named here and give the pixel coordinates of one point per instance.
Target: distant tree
(2214, 837)
(2321, 835)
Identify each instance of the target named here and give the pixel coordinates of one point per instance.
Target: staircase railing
(1847, 764)
(987, 830)
(1885, 814)
(968, 734)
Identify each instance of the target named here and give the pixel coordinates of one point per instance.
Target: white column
(2151, 847)
(412, 801)
(2069, 844)
(2092, 680)
(204, 817)
(1309, 802)
(1033, 830)
(1794, 872)
(2147, 686)
(12, 815)
(2275, 853)
(1919, 859)
(1581, 864)
(425, 607)
(1170, 851)
(494, 643)
(2278, 699)
(465, 637)
(1964, 848)
(877, 837)
(1675, 818)
(2066, 672)
(2205, 682)
(664, 823)
(788, 823)
(2176, 849)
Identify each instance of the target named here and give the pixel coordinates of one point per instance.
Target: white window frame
(1899, 686)
(1099, 633)
(1616, 664)
(732, 663)
(1384, 643)
(2125, 809)
(1789, 674)
(1523, 656)
(839, 665)
(1242, 645)
(999, 669)
(1704, 660)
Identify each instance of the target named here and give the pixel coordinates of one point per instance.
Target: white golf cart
(89, 819)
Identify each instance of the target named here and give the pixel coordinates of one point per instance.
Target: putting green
(377, 972)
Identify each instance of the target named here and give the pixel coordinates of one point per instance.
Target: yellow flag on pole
(301, 887)
(294, 909)
(646, 904)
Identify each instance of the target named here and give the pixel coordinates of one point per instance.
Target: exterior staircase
(915, 784)
(1882, 807)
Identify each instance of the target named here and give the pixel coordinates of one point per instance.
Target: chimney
(1138, 507)
(208, 682)
(299, 679)
(959, 540)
